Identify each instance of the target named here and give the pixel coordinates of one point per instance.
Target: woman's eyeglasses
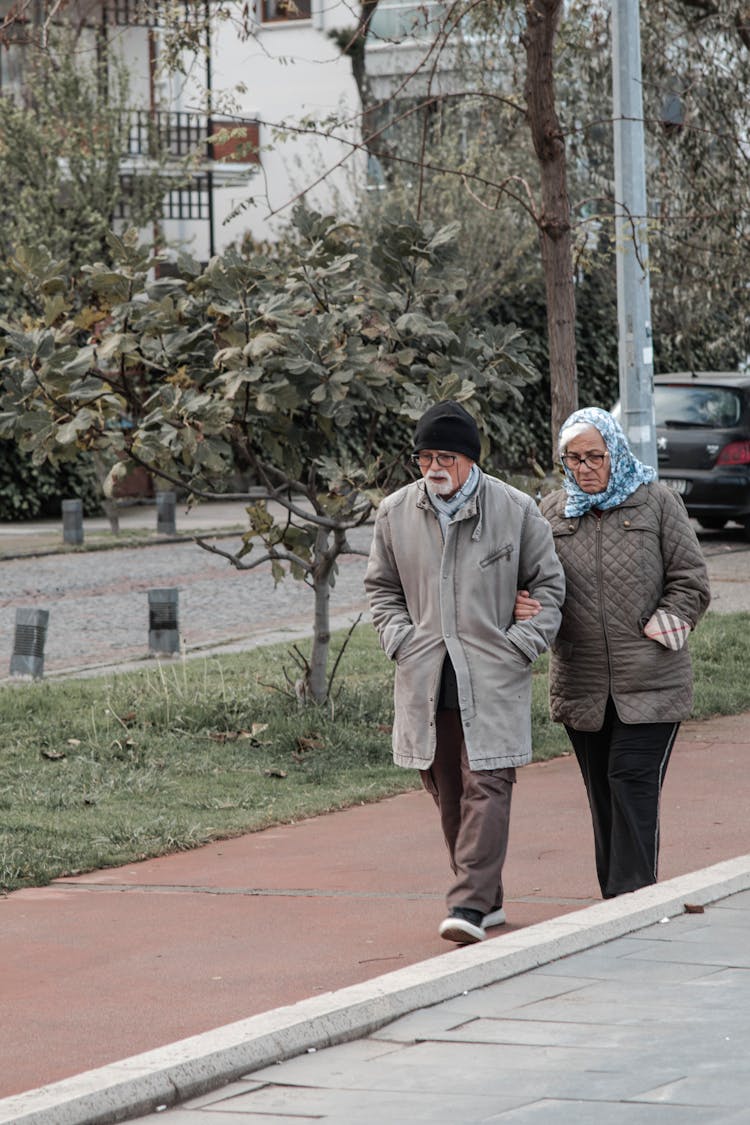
(574, 461)
(424, 460)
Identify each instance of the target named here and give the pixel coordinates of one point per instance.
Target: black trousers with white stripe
(623, 767)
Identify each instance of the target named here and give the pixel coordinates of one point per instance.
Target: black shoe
(463, 925)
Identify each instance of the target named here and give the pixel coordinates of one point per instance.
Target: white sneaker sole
(496, 918)
(461, 931)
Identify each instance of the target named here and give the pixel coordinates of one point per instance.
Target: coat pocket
(495, 556)
(641, 546)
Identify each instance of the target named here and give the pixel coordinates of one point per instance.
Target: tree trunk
(356, 48)
(357, 51)
(111, 510)
(325, 559)
(542, 19)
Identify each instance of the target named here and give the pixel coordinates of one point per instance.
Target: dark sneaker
(496, 917)
(463, 926)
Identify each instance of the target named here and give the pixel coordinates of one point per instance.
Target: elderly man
(448, 555)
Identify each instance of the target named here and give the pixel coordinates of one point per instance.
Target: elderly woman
(620, 674)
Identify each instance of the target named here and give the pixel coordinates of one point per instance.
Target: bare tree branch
(341, 652)
(271, 555)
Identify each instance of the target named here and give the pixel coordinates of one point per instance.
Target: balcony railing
(177, 134)
(133, 13)
(183, 201)
(162, 133)
(142, 13)
(155, 135)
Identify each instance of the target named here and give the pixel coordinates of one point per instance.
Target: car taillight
(736, 453)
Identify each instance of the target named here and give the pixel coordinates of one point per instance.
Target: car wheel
(709, 524)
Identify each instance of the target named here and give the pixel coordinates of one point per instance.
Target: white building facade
(241, 86)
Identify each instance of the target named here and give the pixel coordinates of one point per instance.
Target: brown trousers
(474, 810)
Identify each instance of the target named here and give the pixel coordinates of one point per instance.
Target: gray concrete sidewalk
(649, 1029)
(215, 515)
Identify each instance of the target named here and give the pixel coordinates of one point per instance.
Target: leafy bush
(29, 491)
(598, 380)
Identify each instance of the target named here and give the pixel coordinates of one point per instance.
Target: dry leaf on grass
(240, 735)
(305, 745)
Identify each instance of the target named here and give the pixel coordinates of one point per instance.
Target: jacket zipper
(600, 581)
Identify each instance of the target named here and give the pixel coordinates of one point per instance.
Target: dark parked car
(703, 441)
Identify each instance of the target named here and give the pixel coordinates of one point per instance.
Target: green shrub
(29, 491)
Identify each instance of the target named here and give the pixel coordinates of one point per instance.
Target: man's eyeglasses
(424, 460)
(574, 461)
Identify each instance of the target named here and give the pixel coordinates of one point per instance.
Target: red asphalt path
(116, 962)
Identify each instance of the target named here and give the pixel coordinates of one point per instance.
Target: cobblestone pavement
(728, 559)
(98, 601)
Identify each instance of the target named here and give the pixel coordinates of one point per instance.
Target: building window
(280, 11)
(13, 65)
(123, 210)
(188, 202)
(396, 20)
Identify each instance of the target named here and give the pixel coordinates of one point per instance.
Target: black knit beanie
(446, 425)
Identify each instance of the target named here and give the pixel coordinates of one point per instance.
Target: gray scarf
(446, 509)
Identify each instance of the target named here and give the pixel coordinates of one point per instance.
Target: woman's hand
(525, 607)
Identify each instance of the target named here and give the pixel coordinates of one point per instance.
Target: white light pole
(635, 345)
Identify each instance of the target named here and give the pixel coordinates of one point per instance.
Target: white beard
(439, 485)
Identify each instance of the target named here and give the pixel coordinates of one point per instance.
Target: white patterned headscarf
(626, 472)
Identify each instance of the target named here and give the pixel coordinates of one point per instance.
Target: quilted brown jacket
(619, 568)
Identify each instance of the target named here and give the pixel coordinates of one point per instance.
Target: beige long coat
(429, 597)
(620, 567)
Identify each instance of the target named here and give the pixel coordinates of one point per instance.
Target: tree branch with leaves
(303, 369)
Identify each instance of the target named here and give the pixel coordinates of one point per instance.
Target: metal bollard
(28, 645)
(165, 513)
(163, 632)
(72, 514)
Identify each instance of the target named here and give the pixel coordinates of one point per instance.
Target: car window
(708, 407)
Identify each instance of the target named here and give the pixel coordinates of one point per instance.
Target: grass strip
(107, 771)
